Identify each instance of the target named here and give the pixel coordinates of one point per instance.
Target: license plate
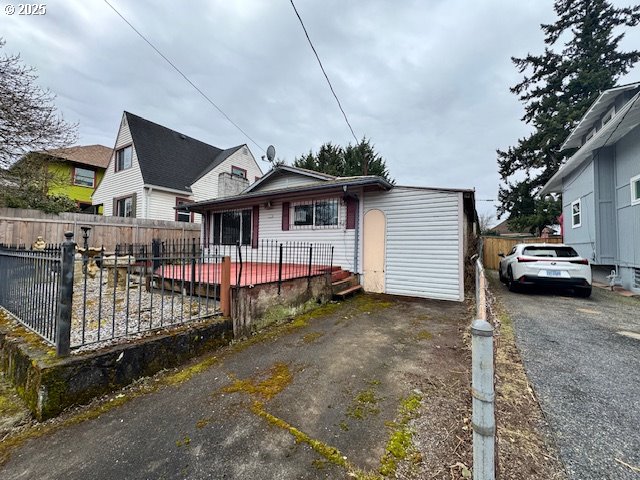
(554, 273)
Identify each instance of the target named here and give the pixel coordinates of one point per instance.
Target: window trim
(632, 181)
(73, 178)
(606, 118)
(185, 200)
(240, 211)
(579, 223)
(313, 203)
(117, 201)
(115, 158)
(239, 168)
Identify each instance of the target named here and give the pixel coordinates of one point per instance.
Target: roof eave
(200, 207)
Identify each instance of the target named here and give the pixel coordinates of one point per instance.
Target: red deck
(253, 273)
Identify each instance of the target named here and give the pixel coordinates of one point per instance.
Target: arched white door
(373, 239)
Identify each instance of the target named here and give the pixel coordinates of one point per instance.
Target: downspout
(356, 237)
(147, 201)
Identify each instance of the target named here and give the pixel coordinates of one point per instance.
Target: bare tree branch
(29, 120)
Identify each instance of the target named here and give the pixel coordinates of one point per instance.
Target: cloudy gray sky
(428, 81)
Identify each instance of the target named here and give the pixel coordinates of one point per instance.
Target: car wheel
(511, 283)
(501, 276)
(583, 292)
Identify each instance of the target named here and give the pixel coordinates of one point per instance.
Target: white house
(600, 184)
(399, 240)
(154, 169)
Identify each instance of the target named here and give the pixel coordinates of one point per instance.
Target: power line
(204, 95)
(323, 71)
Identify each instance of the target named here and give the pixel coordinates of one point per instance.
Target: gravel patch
(104, 314)
(585, 374)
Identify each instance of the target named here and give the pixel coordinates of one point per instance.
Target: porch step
(338, 275)
(351, 290)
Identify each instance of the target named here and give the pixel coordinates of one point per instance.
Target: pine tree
(360, 159)
(557, 89)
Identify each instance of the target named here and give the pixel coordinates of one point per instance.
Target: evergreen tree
(557, 89)
(360, 159)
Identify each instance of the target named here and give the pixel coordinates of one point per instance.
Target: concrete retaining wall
(256, 307)
(49, 384)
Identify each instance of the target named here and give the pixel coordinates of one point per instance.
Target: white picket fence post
(483, 418)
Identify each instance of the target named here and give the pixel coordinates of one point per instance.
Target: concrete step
(349, 291)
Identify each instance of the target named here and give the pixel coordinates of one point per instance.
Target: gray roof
(171, 159)
(337, 184)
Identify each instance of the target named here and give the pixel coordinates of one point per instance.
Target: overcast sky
(428, 81)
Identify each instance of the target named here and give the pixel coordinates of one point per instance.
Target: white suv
(545, 264)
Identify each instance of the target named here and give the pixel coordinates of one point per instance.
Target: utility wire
(323, 71)
(204, 95)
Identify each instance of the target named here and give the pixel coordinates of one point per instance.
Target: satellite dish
(271, 153)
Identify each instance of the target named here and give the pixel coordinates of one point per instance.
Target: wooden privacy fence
(492, 246)
(20, 226)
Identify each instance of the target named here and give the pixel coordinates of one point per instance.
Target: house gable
(124, 183)
(288, 177)
(208, 185)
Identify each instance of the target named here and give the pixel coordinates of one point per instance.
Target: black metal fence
(29, 286)
(138, 288)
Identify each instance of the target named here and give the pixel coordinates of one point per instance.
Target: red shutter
(285, 215)
(352, 210)
(256, 226)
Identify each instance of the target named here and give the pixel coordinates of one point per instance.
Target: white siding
(342, 239)
(161, 205)
(206, 188)
(270, 228)
(423, 244)
(286, 180)
(123, 183)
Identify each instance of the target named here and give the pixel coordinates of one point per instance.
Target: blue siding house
(600, 184)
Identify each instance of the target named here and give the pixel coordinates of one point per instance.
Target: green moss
(400, 444)
(343, 426)
(370, 303)
(312, 337)
(278, 379)
(186, 373)
(331, 454)
(203, 422)
(185, 442)
(423, 335)
(364, 404)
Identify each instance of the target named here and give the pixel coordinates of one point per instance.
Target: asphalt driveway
(318, 400)
(586, 374)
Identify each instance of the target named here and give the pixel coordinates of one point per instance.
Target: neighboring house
(154, 169)
(400, 240)
(503, 230)
(600, 184)
(75, 172)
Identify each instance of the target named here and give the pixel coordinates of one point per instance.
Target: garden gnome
(39, 244)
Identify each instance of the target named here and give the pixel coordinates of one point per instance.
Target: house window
(635, 190)
(232, 227)
(590, 135)
(609, 115)
(238, 172)
(319, 213)
(123, 158)
(124, 207)
(576, 214)
(83, 177)
(181, 215)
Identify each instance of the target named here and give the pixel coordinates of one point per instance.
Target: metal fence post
(484, 426)
(65, 297)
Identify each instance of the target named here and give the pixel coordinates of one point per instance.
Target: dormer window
(590, 135)
(609, 115)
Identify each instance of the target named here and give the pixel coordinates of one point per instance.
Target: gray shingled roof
(171, 159)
